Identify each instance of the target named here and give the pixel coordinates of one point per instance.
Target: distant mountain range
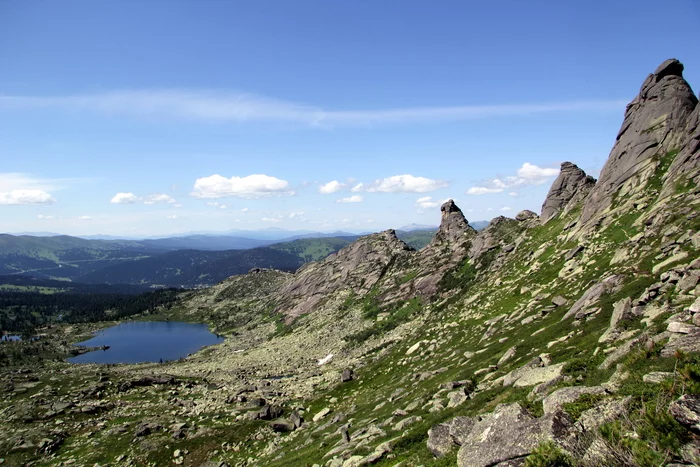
(189, 261)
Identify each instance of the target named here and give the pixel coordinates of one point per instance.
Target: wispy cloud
(406, 184)
(225, 106)
(351, 199)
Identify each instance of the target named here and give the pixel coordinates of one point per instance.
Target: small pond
(137, 342)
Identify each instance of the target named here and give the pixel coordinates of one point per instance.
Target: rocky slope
(570, 338)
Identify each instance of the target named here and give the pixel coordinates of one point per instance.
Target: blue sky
(163, 117)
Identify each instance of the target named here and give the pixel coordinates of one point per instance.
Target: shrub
(548, 454)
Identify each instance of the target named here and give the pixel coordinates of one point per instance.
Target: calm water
(137, 342)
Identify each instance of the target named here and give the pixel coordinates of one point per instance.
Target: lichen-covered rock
(444, 437)
(655, 124)
(454, 227)
(556, 400)
(686, 410)
(571, 186)
(509, 433)
(358, 266)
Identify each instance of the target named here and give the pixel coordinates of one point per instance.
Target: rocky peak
(570, 187)
(655, 125)
(358, 266)
(454, 227)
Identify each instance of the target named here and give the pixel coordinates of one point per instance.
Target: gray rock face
(655, 124)
(444, 437)
(509, 433)
(571, 186)
(556, 400)
(445, 250)
(499, 232)
(592, 295)
(454, 227)
(359, 266)
(686, 410)
(525, 215)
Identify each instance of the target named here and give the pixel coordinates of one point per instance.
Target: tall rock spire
(454, 227)
(571, 186)
(655, 124)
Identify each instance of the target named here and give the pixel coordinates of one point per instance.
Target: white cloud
(177, 205)
(125, 198)
(514, 193)
(331, 187)
(527, 175)
(270, 219)
(358, 187)
(44, 217)
(18, 197)
(173, 216)
(406, 184)
(85, 218)
(220, 106)
(427, 202)
(252, 186)
(351, 199)
(244, 210)
(19, 188)
(505, 209)
(482, 190)
(536, 175)
(158, 198)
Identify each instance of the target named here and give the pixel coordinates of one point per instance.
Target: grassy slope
(459, 337)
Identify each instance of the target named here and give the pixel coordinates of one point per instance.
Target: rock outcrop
(509, 433)
(454, 227)
(448, 246)
(655, 125)
(571, 186)
(358, 266)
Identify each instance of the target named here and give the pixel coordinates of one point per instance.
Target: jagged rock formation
(359, 266)
(655, 125)
(454, 227)
(571, 186)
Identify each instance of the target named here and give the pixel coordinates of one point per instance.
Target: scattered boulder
(346, 376)
(656, 377)
(534, 372)
(321, 414)
(509, 433)
(282, 426)
(592, 295)
(507, 356)
(686, 410)
(444, 437)
(270, 412)
(622, 310)
(556, 400)
(296, 419)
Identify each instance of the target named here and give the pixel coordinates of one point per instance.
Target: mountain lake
(138, 342)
